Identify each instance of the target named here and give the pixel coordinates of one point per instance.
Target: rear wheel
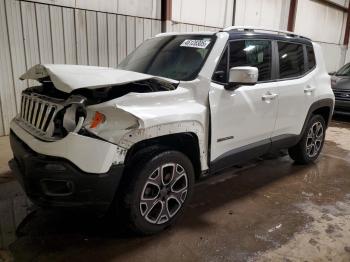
(310, 146)
(158, 191)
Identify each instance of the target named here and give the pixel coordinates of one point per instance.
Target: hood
(67, 78)
(341, 82)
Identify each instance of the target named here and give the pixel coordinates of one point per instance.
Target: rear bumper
(55, 182)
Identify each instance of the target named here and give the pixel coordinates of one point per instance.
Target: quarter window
(291, 60)
(256, 53)
(310, 57)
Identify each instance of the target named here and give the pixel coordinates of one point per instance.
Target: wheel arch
(323, 107)
(325, 112)
(186, 143)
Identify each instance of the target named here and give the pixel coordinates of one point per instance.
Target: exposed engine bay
(103, 94)
(50, 114)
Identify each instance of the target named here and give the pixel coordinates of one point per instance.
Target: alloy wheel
(314, 139)
(164, 193)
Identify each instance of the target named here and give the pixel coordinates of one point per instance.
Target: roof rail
(253, 29)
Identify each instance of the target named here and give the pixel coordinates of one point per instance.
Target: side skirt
(251, 151)
(239, 155)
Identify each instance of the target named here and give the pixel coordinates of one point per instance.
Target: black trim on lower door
(240, 155)
(245, 153)
(284, 141)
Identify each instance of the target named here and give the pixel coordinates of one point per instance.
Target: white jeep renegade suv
(180, 107)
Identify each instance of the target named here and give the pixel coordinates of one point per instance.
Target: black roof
(250, 34)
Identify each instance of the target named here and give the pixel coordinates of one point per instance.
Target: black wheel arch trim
(289, 140)
(327, 102)
(185, 142)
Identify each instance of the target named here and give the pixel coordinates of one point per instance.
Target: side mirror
(220, 76)
(242, 75)
(332, 73)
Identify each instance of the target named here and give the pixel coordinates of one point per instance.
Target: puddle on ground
(327, 235)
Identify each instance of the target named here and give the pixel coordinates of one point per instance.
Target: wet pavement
(269, 210)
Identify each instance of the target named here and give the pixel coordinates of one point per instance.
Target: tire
(152, 202)
(310, 145)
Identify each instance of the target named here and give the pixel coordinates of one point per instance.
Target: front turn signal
(98, 119)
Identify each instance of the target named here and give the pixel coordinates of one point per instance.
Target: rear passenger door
(295, 88)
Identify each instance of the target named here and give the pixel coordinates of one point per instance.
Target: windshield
(179, 57)
(344, 71)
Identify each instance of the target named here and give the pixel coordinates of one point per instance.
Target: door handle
(309, 89)
(268, 97)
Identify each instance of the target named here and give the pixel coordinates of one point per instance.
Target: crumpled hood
(67, 78)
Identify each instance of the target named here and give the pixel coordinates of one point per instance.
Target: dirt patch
(321, 240)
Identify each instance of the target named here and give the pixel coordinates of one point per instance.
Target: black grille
(342, 94)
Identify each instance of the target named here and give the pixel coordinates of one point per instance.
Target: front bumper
(88, 154)
(55, 182)
(342, 107)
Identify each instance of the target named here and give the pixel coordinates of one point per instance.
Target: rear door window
(291, 60)
(256, 53)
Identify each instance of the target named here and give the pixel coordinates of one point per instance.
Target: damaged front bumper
(55, 182)
(88, 154)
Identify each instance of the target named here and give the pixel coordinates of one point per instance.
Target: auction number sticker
(196, 43)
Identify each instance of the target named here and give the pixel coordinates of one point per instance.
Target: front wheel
(310, 146)
(158, 192)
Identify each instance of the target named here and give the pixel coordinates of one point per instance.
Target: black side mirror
(220, 76)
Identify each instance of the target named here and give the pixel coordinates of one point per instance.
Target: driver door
(243, 119)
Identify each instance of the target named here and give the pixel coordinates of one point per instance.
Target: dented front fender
(136, 117)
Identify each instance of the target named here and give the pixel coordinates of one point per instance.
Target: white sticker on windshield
(196, 43)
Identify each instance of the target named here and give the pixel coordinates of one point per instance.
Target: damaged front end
(55, 108)
(50, 118)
